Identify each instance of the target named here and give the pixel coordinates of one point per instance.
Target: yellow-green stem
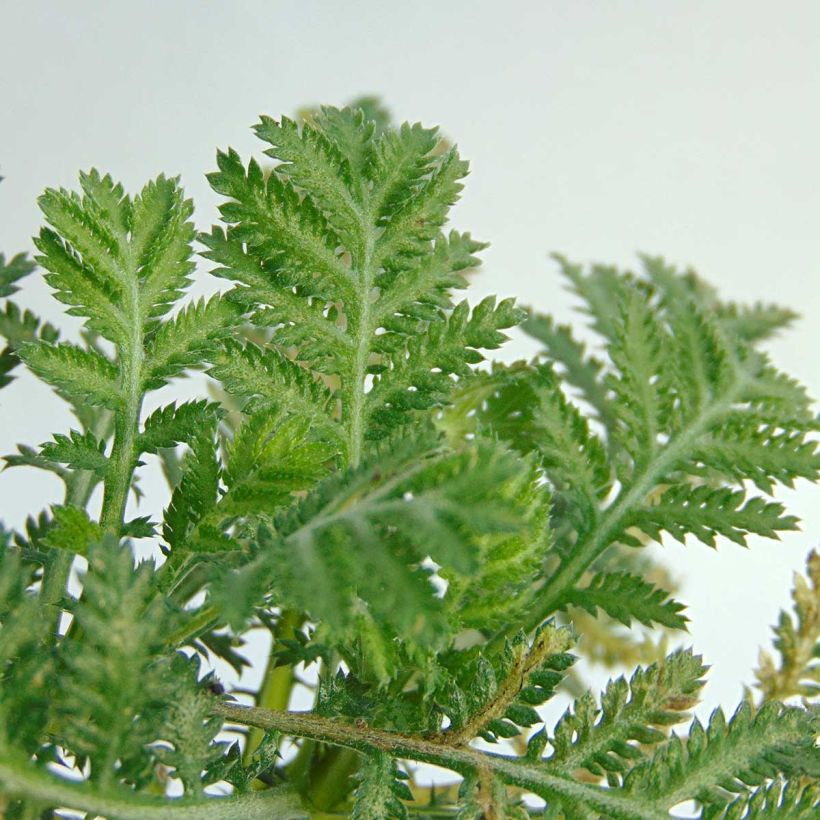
(277, 682)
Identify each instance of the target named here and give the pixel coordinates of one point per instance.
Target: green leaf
(268, 377)
(578, 369)
(340, 250)
(497, 593)
(726, 759)
(785, 800)
(187, 340)
(12, 271)
(190, 729)
(418, 375)
(314, 163)
(603, 741)
(19, 327)
(111, 702)
(525, 406)
(269, 459)
(72, 530)
(626, 597)
(381, 789)
(75, 371)
(355, 546)
(177, 424)
(118, 262)
(706, 513)
(27, 672)
(194, 497)
(698, 414)
(79, 451)
(641, 388)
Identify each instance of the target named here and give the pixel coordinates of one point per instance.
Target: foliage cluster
(428, 534)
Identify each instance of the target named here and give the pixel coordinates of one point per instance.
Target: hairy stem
(126, 422)
(356, 388)
(527, 775)
(277, 683)
(22, 780)
(78, 491)
(546, 644)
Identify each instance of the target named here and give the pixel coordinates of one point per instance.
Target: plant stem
(277, 683)
(356, 388)
(126, 421)
(196, 626)
(23, 780)
(79, 487)
(525, 774)
(330, 780)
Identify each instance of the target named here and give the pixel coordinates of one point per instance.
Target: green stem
(356, 387)
(196, 626)
(79, 487)
(277, 683)
(126, 422)
(529, 775)
(330, 780)
(23, 780)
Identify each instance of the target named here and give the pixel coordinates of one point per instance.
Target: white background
(597, 129)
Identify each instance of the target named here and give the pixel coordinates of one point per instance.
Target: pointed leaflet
(121, 263)
(116, 261)
(266, 377)
(271, 457)
(525, 406)
(110, 703)
(187, 340)
(725, 759)
(750, 323)
(640, 387)
(79, 451)
(785, 800)
(381, 789)
(625, 597)
(706, 513)
(580, 370)
(177, 424)
(17, 326)
(603, 740)
(75, 371)
(12, 271)
(418, 375)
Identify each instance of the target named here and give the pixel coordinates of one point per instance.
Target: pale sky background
(598, 129)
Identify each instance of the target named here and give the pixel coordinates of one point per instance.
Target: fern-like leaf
(340, 249)
(726, 758)
(604, 742)
(627, 597)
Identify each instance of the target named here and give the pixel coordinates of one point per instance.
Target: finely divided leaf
(625, 597)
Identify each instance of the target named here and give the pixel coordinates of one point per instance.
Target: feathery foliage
(434, 538)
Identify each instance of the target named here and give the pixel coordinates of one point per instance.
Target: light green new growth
(420, 531)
